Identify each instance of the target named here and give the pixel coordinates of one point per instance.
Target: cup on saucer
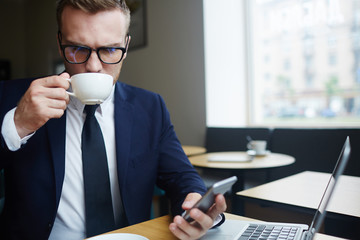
(257, 147)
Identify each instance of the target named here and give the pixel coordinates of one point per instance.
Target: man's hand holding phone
(201, 212)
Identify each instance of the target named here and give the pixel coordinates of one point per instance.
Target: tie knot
(90, 110)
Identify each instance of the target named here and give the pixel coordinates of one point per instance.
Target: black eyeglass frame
(90, 50)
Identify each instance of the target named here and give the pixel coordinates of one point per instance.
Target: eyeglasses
(77, 54)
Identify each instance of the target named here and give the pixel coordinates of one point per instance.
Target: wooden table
(272, 160)
(158, 229)
(302, 193)
(193, 150)
(267, 162)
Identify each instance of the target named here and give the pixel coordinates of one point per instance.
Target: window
(332, 59)
(283, 62)
(324, 88)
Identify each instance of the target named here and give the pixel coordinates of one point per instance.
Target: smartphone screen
(208, 199)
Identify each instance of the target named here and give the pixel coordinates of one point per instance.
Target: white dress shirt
(70, 218)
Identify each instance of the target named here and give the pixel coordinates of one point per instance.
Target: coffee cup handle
(70, 93)
(249, 145)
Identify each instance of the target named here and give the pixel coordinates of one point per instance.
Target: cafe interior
(231, 72)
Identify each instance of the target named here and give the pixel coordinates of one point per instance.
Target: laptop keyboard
(259, 231)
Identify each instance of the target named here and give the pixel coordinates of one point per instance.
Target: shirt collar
(79, 106)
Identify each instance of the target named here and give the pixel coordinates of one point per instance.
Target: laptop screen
(337, 172)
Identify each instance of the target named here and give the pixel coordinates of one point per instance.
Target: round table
(227, 160)
(237, 163)
(193, 150)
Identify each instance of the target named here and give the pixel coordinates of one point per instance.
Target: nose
(93, 64)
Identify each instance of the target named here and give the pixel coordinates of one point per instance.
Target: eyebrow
(118, 44)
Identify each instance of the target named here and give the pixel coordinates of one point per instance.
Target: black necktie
(99, 215)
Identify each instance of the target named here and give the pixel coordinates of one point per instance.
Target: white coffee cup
(91, 88)
(258, 146)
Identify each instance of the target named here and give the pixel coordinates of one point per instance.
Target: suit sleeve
(177, 176)
(3, 146)
(11, 92)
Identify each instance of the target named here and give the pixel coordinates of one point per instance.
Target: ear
(127, 46)
(58, 44)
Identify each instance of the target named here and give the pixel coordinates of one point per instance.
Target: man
(41, 130)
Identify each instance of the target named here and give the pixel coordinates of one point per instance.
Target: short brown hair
(92, 6)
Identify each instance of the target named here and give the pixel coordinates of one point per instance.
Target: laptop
(242, 230)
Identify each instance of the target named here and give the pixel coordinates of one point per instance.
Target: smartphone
(208, 199)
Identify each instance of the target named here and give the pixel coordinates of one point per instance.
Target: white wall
(171, 64)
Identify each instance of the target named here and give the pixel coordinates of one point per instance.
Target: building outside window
(282, 62)
(314, 47)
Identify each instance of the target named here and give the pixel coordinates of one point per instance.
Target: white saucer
(253, 153)
(92, 101)
(119, 236)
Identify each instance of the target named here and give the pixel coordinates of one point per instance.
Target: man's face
(102, 29)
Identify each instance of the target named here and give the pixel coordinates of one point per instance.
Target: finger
(44, 114)
(196, 228)
(65, 75)
(56, 112)
(43, 88)
(203, 220)
(181, 228)
(219, 206)
(53, 82)
(56, 93)
(178, 232)
(57, 104)
(190, 200)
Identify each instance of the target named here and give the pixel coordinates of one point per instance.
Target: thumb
(190, 200)
(64, 75)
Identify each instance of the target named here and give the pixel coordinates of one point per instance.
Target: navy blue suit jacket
(147, 149)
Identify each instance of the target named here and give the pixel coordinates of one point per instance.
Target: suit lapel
(56, 132)
(123, 130)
